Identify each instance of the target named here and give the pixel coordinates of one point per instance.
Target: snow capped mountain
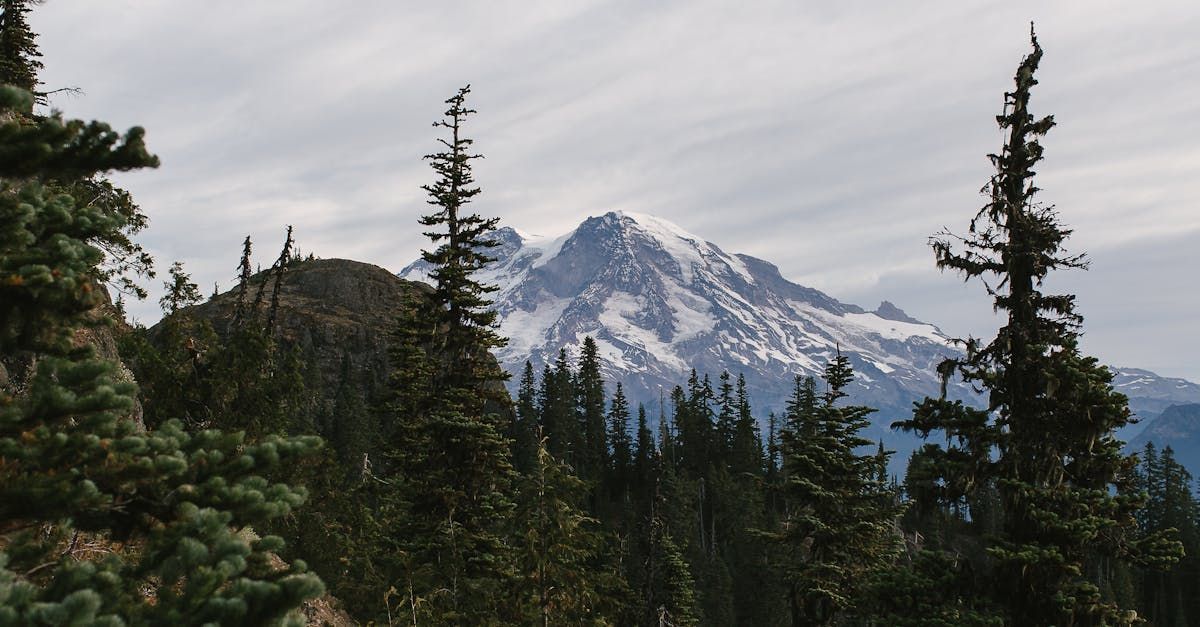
(660, 301)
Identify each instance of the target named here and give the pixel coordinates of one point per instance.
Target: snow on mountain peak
(659, 300)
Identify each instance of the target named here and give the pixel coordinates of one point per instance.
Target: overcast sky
(830, 138)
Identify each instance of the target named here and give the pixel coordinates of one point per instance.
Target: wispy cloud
(832, 140)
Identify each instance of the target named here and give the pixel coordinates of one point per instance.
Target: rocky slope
(338, 315)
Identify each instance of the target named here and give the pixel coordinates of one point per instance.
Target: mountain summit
(660, 301)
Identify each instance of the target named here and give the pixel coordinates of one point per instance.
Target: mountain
(659, 301)
(1178, 427)
(1149, 394)
(337, 315)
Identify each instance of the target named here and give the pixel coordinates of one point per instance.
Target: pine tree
(558, 548)
(76, 469)
(593, 458)
(838, 529)
(726, 425)
(524, 429)
(452, 549)
(19, 55)
(1169, 597)
(1059, 471)
(466, 321)
(746, 455)
(621, 469)
(180, 291)
(558, 402)
(643, 460)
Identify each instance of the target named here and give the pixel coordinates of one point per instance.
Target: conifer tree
(838, 528)
(669, 596)
(726, 425)
(180, 291)
(451, 452)
(76, 469)
(643, 459)
(466, 323)
(747, 445)
(593, 458)
(523, 433)
(1059, 471)
(621, 466)
(558, 548)
(1169, 597)
(19, 56)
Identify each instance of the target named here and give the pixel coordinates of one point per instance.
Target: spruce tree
(727, 417)
(838, 526)
(19, 55)
(558, 548)
(1058, 469)
(746, 455)
(451, 452)
(76, 469)
(524, 427)
(1169, 597)
(593, 458)
(621, 469)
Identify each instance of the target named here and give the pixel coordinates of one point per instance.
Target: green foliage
(837, 530)
(931, 589)
(452, 558)
(74, 469)
(559, 550)
(181, 291)
(1045, 444)
(19, 55)
(1169, 597)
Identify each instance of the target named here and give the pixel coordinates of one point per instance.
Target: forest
(187, 474)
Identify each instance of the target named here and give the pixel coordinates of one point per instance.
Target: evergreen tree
(838, 528)
(669, 596)
(76, 468)
(644, 459)
(559, 396)
(181, 291)
(621, 467)
(746, 454)
(451, 451)
(19, 55)
(1059, 471)
(593, 458)
(1169, 597)
(558, 549)
(524, 429)
(727, 417)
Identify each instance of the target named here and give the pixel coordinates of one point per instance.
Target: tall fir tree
(524, 426)
(1059, 471)
(593, 455)
(1169, 597)
(452, 544)
(620, 470)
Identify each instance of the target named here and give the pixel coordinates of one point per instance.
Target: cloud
(831, 140)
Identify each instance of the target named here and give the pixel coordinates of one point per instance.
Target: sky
(832, 139)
